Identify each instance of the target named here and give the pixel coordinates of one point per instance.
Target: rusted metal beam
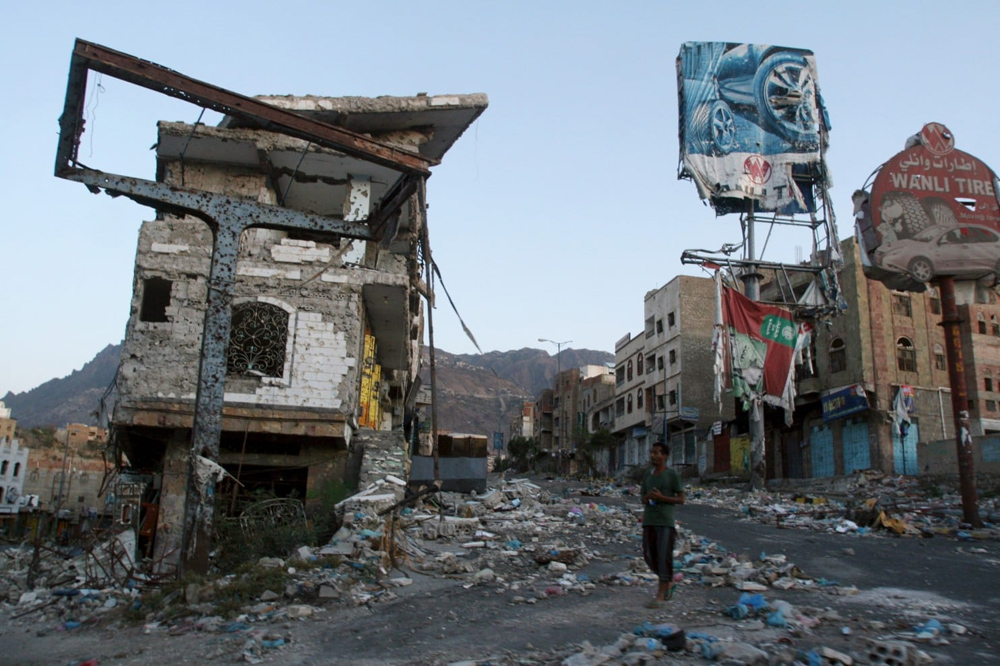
(90, 56)
(210, 206)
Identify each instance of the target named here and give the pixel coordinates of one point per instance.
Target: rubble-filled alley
(532, 571)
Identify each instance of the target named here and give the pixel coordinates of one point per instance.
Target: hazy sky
(554, 214)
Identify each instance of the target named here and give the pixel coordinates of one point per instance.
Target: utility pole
(558, 382)
(751, 279)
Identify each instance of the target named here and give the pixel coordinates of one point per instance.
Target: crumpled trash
(777, 619)
(754, 601)
(738, 611)
(930, 629)
(707, 644)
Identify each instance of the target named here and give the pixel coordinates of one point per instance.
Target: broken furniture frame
(227, 217)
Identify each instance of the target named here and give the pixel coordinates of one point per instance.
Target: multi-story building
(522, 424)
(8, 426)
(79, 435)
(887, 345)
(630, 424)
(679, 378)
(599, 407)
(542, 421)
(324, 329)
(13, 470)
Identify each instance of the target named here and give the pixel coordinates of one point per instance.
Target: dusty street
(844, 590)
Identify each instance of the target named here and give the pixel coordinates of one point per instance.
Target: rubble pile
(516, 540)
(862, 504)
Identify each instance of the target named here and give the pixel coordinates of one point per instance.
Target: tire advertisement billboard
(752, 125)
(932, 212)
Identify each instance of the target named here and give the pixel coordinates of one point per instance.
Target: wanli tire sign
(932, 212)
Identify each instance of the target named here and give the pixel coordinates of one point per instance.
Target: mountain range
(477, 393)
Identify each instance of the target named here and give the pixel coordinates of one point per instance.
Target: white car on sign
(968, 250)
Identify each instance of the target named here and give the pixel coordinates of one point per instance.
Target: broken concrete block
(328, 592)
(269, 595)
(784, 583)
(299, 611)
(743, 653)
(833, 656)
(484, 576)
(491, 499)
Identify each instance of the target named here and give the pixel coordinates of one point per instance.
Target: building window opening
(628, 371)
(629, 403)
(982, 323)
(257, 341)
(901, 305)
(838, 355)
(155, 299)
(638, 365)
(638, 399)
(994, 326)
(673, 397)
(939, 360)
(17, 469)
(935, 302)
(906, 355)
(988, 382)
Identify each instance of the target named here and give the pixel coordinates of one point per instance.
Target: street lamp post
(559, 384)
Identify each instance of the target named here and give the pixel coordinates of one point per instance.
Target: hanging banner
(933, 211)
(903, 405)
(752, 125)
(761, 349)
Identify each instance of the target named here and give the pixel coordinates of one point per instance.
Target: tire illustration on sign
(716, 127)
(921, 269)
(785, 92)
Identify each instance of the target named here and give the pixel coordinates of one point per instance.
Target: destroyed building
(276, 317)
(325, 335)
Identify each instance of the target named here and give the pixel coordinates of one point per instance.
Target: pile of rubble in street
(516, 539)
(862, 504)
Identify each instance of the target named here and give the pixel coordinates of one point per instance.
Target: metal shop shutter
(821, 443)
(857, 452)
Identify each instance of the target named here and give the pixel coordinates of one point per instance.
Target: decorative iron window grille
(257, 340)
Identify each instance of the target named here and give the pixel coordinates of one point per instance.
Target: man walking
(661, 489)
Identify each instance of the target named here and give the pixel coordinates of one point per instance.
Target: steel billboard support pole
(752, 281)
(951, 322)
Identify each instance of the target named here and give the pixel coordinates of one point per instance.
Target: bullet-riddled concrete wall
(323, 304)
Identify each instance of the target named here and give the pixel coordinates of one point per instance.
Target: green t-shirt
(668, 482)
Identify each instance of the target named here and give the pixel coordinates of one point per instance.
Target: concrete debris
(863, 504)
(516, 539)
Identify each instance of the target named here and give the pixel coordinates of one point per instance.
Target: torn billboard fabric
(902, 406)
(752, 125)
(761, 350)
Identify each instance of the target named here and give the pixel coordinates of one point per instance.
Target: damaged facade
(323, 347)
